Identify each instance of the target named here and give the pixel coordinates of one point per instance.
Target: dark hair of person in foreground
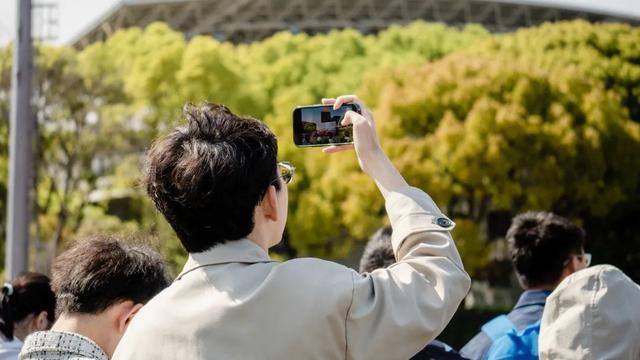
(207, 177)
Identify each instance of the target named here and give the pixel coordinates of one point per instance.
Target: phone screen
(320, 125)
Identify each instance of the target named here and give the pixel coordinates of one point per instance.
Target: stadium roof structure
(250, 20)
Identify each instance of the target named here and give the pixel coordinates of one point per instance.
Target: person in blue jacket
(545, 248)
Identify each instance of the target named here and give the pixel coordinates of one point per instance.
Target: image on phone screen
(320, 125)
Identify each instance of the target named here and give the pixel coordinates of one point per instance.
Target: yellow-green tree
(487, 133)
(540, 119)
(159, 70)
(543, 118)
(77, 143)
(609, 52)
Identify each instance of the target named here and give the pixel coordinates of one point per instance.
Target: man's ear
(128, 309)
(572, 265)
(41, 321)
(269, 204)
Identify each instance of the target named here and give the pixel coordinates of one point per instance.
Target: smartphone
(320, 125)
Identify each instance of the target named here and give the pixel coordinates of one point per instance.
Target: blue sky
(75, 15)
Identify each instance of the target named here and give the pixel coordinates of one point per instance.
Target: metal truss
(251, 20)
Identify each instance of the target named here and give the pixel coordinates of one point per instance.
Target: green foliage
(323, 220)
(484, 134)
(523, 136)
(72, 139)
(609, 52)
(544, 118)
(159, 71)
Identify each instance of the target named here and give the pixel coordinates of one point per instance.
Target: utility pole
(20, 147)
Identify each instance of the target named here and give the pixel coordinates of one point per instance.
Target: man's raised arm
(395, 312)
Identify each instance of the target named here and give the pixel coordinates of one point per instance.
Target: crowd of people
(217, 182)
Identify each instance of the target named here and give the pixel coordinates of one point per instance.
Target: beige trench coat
(234, 302)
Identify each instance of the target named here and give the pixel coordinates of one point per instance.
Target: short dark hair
(207, 177)
(539, 244)
(103, 271)
(29, 293)
(378, 253)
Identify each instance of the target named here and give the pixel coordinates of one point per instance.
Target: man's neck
(93, 327)
(258, 237)
(20, 333)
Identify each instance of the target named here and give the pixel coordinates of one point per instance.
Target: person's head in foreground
(217, 179)
(545, 248)
(27, 305)
(100, 285)
(592, 314)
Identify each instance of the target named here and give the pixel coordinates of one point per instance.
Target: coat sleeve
(395, 312)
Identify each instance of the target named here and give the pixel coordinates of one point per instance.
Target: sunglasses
(584, 257)
(285, 172)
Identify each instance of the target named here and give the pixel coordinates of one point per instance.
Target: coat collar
(532, 297)
(236, 251)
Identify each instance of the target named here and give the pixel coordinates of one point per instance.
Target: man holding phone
(217, 182)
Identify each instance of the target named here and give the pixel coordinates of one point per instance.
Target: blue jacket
(528, 310)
